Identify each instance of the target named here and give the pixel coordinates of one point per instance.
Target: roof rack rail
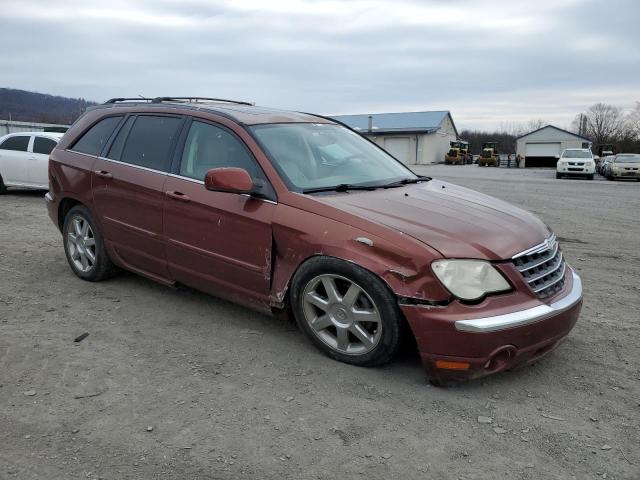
(197, 99)
(175, 99)
(123, 99)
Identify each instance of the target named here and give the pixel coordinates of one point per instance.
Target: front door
(128, 190)
(218, 242)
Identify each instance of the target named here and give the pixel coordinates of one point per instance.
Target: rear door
(218, 242)
(128, 191)
(39, 160)
(14, 160)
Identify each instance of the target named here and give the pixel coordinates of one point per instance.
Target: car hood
(456, 221)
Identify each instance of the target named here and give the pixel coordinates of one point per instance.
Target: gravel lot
(171, 383)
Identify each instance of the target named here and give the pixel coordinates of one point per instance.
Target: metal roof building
(411, 137)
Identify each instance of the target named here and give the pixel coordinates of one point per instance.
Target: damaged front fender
(402, 262)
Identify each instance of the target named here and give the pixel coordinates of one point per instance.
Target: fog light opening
(500, 360)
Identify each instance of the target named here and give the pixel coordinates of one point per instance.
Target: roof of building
(425, 122)
(553, 126)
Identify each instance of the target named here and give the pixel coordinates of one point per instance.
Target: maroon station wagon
(296, 213)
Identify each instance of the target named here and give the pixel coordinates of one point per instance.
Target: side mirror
(231, 180)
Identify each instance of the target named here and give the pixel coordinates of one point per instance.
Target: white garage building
(411, 137)
(542, 147)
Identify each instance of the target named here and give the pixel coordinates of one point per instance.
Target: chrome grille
(542, 267)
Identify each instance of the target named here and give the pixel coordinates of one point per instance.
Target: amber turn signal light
(446, 365)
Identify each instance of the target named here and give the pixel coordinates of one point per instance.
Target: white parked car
(24, 159)
(576, 162)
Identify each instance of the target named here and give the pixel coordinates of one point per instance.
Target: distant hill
(26, 106)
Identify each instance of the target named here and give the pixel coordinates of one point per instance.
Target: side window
(115, 151)
(18, 143)
(149, 142)
(93, 141)
(43, 145)
(210, 147)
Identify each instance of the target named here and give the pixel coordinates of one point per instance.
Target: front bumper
(576, 169)
(455, 347)
(623, 173)
(52, 207)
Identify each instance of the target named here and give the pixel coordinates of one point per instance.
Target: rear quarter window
(94, 140)
(18, 143)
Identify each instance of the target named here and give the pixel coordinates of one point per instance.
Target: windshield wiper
(343, 187)
(405, 181)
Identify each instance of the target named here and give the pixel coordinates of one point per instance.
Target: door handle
(103, 174)
(178, 196)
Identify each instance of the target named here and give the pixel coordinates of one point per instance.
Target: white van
(576, 162)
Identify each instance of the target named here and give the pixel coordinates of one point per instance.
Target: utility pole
(580, 126)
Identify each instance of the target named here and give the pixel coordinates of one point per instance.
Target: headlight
(469, 279)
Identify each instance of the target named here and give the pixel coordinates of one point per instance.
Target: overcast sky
(490, 62)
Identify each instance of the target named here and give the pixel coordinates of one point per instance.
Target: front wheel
(3, 188)
(84, 246)
(590, 177)
(558, 175)
(346, 311)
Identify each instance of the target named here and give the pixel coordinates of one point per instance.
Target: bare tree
(536, 124)
(604, 123)
(517, 129)
(633, 123)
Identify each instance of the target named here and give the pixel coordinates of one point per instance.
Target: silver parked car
(624, 165)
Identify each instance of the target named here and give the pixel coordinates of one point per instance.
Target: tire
(334, 333)
(3, 188)
(590, 177)
(79, 223)
(558, 176)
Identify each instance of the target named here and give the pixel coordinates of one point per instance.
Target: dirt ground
(174, 384)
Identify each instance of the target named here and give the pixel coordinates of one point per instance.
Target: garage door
(542, 149)
(401, 148)
(541, 154)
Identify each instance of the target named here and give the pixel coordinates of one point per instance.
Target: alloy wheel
(81, 244)
(341, 314)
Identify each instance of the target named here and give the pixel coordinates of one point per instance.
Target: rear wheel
(346, 311)
(84, 246)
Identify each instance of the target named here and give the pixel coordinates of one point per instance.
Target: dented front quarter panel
(309, 228)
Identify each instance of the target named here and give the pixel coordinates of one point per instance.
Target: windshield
(317, 155)
(576, 154)
(627, 159)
